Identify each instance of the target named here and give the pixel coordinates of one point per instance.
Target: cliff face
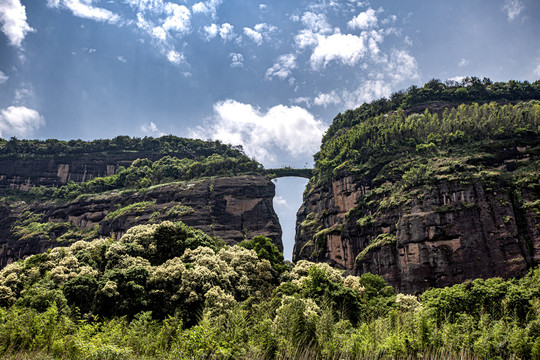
(25, 173)
(445, 233)
(233, 208)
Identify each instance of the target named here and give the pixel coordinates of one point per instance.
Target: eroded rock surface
(233, 208)
(447, 233)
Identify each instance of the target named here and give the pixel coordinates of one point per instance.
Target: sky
(267, 75)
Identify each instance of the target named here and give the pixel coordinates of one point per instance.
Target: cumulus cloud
(19, 121)
(368, 90)
(237, 60)
(513, 9)
(348, 49)
(402, 66)
(206, 7)
(316, 23)
(364, 20)
(283, 67)
(331, 98)
(151, 129)
(84, 9)
(289, 129)
(13, 20)
(536, 71)
(175, 57)
(145, 5)
(225, 32)
(178, 21)
(260, 32)
(3, 77)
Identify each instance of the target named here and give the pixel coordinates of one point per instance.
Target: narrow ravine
(287, 201)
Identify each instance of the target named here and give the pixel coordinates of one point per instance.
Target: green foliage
(166, 291)
(143, 173)
(131, 209)
(379, 241)
(171, 145)
(265, 249)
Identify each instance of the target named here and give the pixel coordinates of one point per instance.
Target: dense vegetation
(171, 145)
(143, 173)
(450, 93)
(169, 291)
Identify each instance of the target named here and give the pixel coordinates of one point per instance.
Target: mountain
(429, 188)
(56, 192)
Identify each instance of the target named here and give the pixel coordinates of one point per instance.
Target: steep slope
(427, 199)
(223, 195)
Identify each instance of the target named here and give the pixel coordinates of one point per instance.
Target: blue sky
(269, 75)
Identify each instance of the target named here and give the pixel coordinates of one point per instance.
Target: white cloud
(207, 7)
(457, 79)
(364, 20)
(13, 20)
(280, 201)
(348, 49)
(209, 32)
(283, 67)
(23, 95)
(463, 62)
(402, 66)
(151, 129)
(263, 7)
(306, 38)
(237, 60)
(175, 57)
(292, 130)
(367, 91)
(331, 98)
(316, 23)
(537, 70)
(3, 77)
(121, 59)
(144, 5)
(84, 9)
(19, 121)
(225, 31)
(178, 19)
(260, 32)
(303, 100)
(513, 8)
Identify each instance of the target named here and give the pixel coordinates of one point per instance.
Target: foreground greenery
(169, 291)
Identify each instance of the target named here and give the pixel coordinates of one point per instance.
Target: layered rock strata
(446, 233)
(233, 208)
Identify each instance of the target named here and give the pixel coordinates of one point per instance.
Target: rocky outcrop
(446, 233)
(233, 208)
(23, 173)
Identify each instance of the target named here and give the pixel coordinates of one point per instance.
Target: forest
(168, 291)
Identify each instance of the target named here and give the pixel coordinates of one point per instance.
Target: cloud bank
(289, 129)
(13, 20)
(19, 121)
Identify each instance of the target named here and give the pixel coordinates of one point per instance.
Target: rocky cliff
(24, 173)
(429, 215)
(233, 208)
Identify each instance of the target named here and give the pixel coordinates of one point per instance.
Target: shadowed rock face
(25, 173)
(451, 233)
(233, 208)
